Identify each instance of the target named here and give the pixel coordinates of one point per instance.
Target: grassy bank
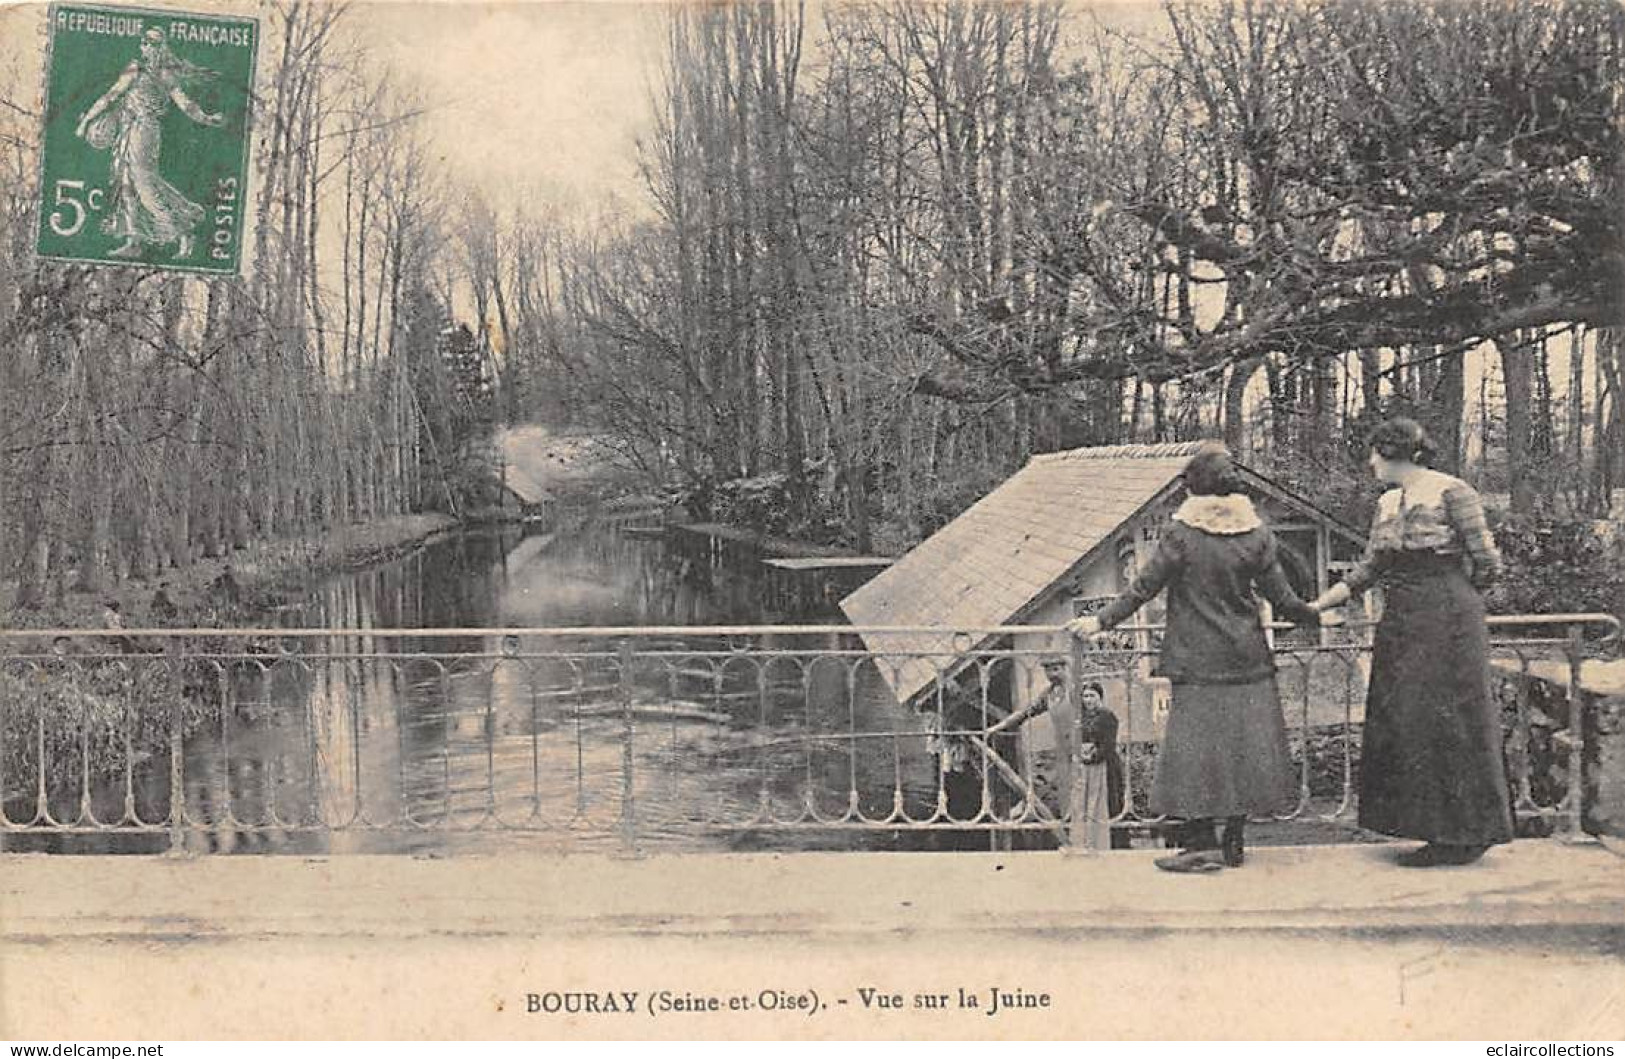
(99, 710)
(268, 574)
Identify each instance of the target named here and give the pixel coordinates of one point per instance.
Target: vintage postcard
(812, 520)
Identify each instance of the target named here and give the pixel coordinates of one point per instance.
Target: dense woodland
(909, 245)
(148, 419)
(887, 252)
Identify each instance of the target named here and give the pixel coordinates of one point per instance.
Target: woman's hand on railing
(1085, 627)
(1331, 599)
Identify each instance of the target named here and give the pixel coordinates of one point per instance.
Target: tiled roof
(986, 566)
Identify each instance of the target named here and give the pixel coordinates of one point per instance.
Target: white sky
(529, 98)
(548, 96)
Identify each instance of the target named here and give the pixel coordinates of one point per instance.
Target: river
(475, 745)
(360, 743)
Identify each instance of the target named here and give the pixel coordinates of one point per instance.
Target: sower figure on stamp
(1225, 753)
(128, 120)
(1088, 766)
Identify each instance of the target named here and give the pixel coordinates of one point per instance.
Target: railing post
(177, 752)
(1067, 751)
(629, 815)
(1574, 818)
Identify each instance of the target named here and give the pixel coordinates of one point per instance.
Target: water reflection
(311, 751)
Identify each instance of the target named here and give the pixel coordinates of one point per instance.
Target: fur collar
(1223, 515)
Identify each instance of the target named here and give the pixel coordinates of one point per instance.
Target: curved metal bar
(578, 685)
(1346, 801)
(794, 785)
(853, 802)
(42, 801)
(1305, 670)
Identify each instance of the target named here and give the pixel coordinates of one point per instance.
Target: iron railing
(654, 737)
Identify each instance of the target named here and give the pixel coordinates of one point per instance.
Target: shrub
(87, 719)
(1556, 565)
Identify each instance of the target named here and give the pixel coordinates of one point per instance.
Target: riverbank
(248, 587)
(543, 466)
(267, 575)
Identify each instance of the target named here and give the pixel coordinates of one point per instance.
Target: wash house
(1056, 540)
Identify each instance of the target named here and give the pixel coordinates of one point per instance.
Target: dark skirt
(1431, 764)
(1225, 753)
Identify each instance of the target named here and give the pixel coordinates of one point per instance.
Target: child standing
(1098, 793)
(1096, 775)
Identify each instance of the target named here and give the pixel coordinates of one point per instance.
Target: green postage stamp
(144, 158)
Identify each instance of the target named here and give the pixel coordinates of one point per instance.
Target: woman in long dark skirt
(1431, 763)
(1225, 754)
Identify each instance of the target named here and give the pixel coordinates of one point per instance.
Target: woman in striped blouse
(1431, 764)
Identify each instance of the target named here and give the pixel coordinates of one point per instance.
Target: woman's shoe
(1189, 835)
(1192, 861)
(1235, 853)
(1421, 857)
(1439, 854)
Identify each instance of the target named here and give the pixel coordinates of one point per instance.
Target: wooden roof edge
(1042, 598)
(1176, 449)
(1161, 450)
(1044, 594)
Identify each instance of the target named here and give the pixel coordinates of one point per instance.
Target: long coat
(1214, 560)
(1225, 750)
(1098, 725)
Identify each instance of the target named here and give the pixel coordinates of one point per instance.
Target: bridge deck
(1304, 941)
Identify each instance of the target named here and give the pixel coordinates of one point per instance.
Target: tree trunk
(1235, 403)
(1574, 455)
(1610, 422)
(1516, 365)
(1371, 380)
(1450, 398)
